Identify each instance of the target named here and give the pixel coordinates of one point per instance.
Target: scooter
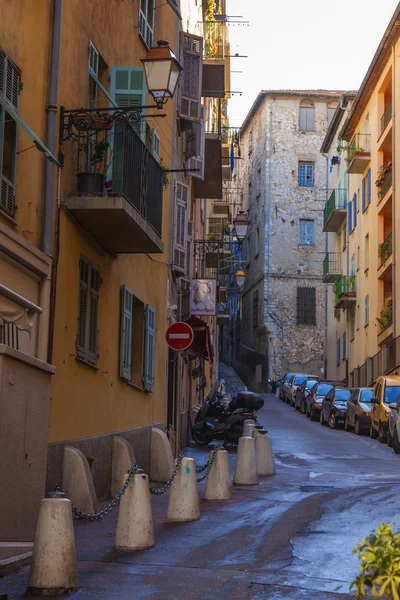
(214, 422)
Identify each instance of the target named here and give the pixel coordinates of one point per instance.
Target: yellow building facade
(360, 220)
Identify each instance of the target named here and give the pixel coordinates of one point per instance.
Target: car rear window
(299, 380)
(366, 395)
(310, 383)
(343, 394)
(323, 389)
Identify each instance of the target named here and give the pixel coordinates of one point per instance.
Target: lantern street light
(241, 225)
(162, 70)
(240, 276)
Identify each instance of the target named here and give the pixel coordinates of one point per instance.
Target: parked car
(294, 382)
(394, 426)
(386, 391)
(302, 392)
(284, 384)
(334, 405)
(312, 403)
(358, 410)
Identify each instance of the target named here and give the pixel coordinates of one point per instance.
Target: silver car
(358, 411)
(284, 386)
(294, 383)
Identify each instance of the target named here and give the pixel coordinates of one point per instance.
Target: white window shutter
(126, 324)
(93, 60)
(196, 163)
(148, 379)
(191, 51)
(180, 227)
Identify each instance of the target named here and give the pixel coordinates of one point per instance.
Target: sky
(302, 44)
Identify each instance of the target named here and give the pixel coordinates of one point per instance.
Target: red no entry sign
(179, 336)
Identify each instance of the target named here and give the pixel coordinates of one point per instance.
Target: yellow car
(386, 391)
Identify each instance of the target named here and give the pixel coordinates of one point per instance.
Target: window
(353, 324)
(181, 227)
(128, 88)
(349, 217)
(306, 306)
(255, 309)
(10, 82)
(331, 108)
(344, 346)
(366, 313)
(146, 21)
(88, 313)
(155, 144)
(369, 186)
(354, 210)
(366, 249)
(306, 174)
(137, 330)
(98, 80)
(257, 242)
(306, 232)
(191, 58)
(363, 206)
(306, 116)
(353, 265)
(338, 352)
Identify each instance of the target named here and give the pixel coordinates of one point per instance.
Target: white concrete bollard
(161, 459)
(183, 504)
(77, 480)
(248, 430)
(135, 520)
(122, 459)
(264, 456)
(249, 421)
(246, 466)
(53, 568)
(218, 486)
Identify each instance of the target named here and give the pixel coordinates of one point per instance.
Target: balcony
(386, 117)
(332, 267)
(335, 210)
(345, 292)
(384, 182)
(359, 153)
(215, 59)
(385, 256)
(386, 323)
(120, 189)
(211, 186)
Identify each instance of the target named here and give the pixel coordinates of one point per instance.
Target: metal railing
(215, 38)
(386, 183)
(382, 363)
(214, 259)
(360, 144)
(387, 115)
(345, 286)
(385, 250)
(337, 200)
(9, 334)
(332, 263)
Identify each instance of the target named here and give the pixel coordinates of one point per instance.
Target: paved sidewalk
(233, 383)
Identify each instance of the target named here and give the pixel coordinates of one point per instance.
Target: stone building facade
(282, 177)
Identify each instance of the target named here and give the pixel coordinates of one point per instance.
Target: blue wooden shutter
(354, 210)
(338, 352)
(349, 218)
(128, 88)
(126, 324)
(149, 348)
(363, 194)
(369, 185)
(344, 345)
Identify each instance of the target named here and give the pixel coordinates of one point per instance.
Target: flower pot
(91, 183)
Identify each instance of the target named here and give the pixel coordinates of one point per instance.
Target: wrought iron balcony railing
(215, 38)
(336, 201)
(387, 115)
(332, 266)
(386, 183)
(385, 250)
(359, 145)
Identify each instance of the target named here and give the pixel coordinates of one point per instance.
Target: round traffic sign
(179, 336)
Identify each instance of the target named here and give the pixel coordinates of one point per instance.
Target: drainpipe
(46, 292)
(326, 285)
(394, 193)
(267, 232)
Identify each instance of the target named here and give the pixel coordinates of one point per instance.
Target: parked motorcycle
(215, 422)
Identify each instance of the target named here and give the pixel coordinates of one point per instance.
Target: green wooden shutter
(125, 357)
(150, 322)
(93, 315)
(128, 88)
(81, 337)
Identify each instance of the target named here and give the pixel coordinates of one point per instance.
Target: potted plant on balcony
(386, 318)
(97, 159)
(349, 288)
(384, 251)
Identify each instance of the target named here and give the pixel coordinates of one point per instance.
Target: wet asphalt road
(290, 537)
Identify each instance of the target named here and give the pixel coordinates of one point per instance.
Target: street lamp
(240, 276)
(162, 70)
(241, 225)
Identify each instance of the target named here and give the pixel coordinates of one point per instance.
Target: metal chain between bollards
(135, 468)
(165, 488)
(208, 466)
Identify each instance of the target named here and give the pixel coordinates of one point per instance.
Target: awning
(38, 143)
(201, 345)
(174, 7)
(16, 309)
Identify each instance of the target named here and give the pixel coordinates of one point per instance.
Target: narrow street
(291, 536)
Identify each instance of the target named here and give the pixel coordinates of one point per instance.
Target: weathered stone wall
(290, 264)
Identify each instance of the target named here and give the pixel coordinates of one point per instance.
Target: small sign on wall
(203, 297)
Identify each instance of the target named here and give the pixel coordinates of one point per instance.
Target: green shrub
(379, 554)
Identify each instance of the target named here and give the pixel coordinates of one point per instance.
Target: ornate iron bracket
(74, 122)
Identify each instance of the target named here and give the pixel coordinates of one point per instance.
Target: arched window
(306, 116)
(331, 107)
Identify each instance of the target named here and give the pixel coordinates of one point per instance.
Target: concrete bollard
(122, 459)
(218, 486)
(249, 421)
(183, 504)
(135, 520)
(77, 480)
(248, 430)
(264, 456)
(161, 459)
(246, 466)
(53, 568)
